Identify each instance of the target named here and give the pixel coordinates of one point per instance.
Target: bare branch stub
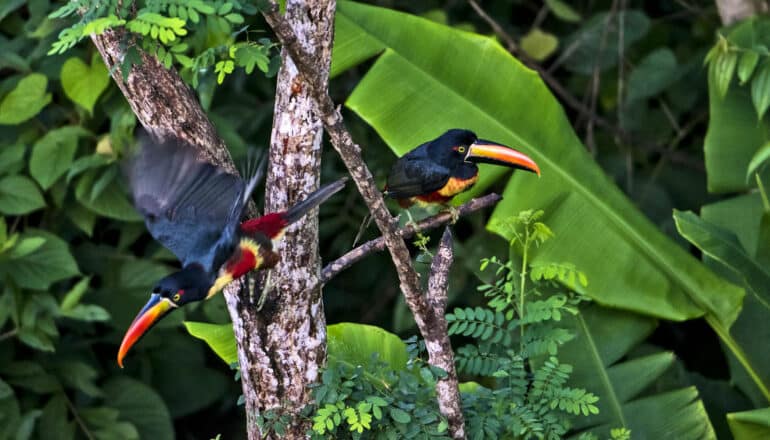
(437, 341)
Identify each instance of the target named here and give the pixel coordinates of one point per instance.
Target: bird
(194, 209)
(436, 171)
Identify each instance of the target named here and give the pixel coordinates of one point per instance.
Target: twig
(8, 334)
(437, 340)
(78, 420)
(378, 244)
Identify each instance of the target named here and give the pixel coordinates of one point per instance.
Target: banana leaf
(429, 77)
(602, 365)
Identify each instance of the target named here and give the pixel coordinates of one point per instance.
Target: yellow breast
(456, 186)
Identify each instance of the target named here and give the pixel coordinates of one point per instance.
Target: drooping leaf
(629, 262)
(54, 422)
(760, 158)
(721, 71)
(598, 354)
(760, 90)
(53, 153)
(111, 202)
(19, 195)
(140, 405)
(748, 357)
(746, 65)
(219, 337)
(26, 100)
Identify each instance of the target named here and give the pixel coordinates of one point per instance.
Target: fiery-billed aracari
(194, 209)
(437, 170)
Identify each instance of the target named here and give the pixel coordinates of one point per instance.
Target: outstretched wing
(414, 176)
(187, 204)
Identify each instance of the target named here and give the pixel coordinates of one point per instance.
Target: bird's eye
(177, 297)
(461, 149)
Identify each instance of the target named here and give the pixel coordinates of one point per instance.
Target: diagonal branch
(332, 269)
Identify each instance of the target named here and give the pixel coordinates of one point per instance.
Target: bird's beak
(483, 151)
(155, 309)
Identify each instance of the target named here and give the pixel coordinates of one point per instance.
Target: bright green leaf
(84, 84)
(49, 263)
(26, 100)
(760, 90)
(759, 159)
(355, 343)
(219, 337)
(539, 45)
(72, 298)
(746, 65)
(721, 71)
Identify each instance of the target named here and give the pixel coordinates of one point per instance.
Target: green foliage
(752, 424)
(194, 36)
(518, 339)
(26, 100)
(631, 264)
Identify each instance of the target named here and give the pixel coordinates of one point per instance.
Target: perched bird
(438, 170)
(194, 209)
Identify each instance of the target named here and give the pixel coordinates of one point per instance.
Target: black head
(187, 285)
(179, 288)
(451, 148)
(457, 148)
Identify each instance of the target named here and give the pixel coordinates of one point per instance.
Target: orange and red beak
(155, 309)
(483, 151)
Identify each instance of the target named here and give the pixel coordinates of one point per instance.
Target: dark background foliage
(67, 299)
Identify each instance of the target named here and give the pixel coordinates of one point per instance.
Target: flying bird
(194, 209)
(436, 171)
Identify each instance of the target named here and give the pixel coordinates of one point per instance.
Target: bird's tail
(319, 196)
(253, 171)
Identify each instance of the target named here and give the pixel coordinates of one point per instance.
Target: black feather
(191, 207)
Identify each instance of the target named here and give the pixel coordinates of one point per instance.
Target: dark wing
(187, 204)
(415, 175)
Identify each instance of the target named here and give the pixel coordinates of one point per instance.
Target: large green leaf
(599, 355)
(219, 337)
(355, 343)
(83, 83)
(438, 78)
(26, 100)
(750, 425)
(748, 356)
(734, 134)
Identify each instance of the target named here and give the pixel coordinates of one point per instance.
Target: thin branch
(437, 340)
(8, 334)
(78, 420)
(332, 269)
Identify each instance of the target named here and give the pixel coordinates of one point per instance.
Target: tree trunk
(731, 11)
(285, 343)
(281, 347)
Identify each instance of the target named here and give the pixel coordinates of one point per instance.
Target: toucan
(194, 209)
(436, 171)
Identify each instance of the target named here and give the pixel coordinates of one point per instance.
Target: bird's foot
(454, 213)
(266, 288)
